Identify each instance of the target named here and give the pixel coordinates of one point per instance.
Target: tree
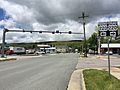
(93, 43)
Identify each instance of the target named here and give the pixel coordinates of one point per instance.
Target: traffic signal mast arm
(53, 32)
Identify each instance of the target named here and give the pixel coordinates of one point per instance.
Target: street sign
(103, 34)
(108, 28)
(113, 34)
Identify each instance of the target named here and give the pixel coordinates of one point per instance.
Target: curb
(7, 59)
(77, 81)
(74, 83)
(83, 81)
(112, 57)
(96, 56)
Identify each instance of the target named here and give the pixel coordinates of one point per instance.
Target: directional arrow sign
(111, 28)
(113, 34)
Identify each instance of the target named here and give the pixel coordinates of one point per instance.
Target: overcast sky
(54, 15)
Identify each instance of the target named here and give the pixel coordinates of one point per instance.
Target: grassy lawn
(99, 80)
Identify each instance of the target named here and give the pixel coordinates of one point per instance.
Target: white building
(114, 47)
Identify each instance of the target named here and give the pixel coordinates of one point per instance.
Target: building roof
(111, 45)
(43, 46)
(51, 48)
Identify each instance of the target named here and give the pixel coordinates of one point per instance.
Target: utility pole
(99, 46)
(83, 17)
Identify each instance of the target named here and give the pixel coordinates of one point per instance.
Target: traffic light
(23, 30)
(40, 31)
(53, 32)
(57, 31)
(69, 32)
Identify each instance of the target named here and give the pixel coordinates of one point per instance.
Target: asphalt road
(50, 72)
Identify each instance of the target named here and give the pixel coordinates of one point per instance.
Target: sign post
(109, 57)
(109, 29)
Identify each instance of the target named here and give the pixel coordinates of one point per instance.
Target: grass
(99, 80)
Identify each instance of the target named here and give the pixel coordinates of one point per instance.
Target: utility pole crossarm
(83, 16)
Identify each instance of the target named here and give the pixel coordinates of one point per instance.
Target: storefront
(114, 47)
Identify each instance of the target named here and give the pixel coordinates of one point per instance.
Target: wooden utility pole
(85, 44)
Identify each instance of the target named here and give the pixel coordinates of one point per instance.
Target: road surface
(50, 72)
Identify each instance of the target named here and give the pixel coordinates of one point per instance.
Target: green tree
(93, 43)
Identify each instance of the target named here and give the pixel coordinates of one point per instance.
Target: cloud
(56, 15)
(8, 23)
(53, 11)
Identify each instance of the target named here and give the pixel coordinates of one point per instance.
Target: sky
(52, 15)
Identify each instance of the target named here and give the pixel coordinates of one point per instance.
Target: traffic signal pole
(6, 30)
(3, 44)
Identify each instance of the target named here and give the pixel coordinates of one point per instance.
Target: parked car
(9, 52)
(39, 52)
(110, 52)
(119, 52)
(18, 50)
(30, 51)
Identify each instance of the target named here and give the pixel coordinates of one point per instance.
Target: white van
(18, 50)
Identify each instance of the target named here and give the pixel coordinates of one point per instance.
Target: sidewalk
(92, 62)
(116, 72)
